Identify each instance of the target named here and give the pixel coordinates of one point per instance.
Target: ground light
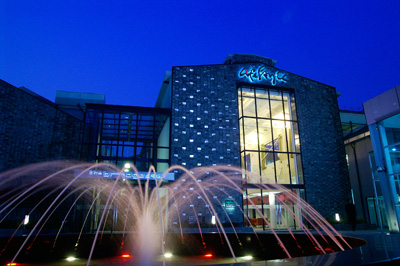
(125, 256)
(11, 264)
(26, 219)
(248, 257)
(168, 255)
(70, 259)
(337, 217)
(209, 255)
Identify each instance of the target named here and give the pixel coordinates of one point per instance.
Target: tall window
(269, 136)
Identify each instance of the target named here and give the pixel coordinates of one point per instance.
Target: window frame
(292, 141)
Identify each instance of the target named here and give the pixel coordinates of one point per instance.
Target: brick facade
(32, 129)
(205, 130)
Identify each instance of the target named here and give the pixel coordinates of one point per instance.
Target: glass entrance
(269, 209)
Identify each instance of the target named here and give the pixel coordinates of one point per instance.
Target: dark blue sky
(122, 48)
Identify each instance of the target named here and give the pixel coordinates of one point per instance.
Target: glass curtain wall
(390, 138)
(271, 153)
(376, 204)
(269, 136)
(117, 135)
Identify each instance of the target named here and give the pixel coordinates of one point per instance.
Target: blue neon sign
(126, 175)
(260, 73)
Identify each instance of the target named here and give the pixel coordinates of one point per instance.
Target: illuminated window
(269, 136)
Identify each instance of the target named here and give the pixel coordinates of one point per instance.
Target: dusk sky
(122, 48)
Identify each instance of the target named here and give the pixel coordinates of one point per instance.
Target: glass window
(286, 100)
(251, 162)
(394, 155)
(393, 135)
(242, 161)
(267, 167)
(392, 129)
(264, 134)
(282, 168)
(299, 168)
(292, 136)
(292, 166)
(144, 152)
(241, 134)
(391, 143)
(248, 100)
(269, 136)
(250, 134)
(109, 150)
(396, 180)
(293, 113)
(128, 151)
(279, 134)
(240, 103)
(262, 101)
(276, 105)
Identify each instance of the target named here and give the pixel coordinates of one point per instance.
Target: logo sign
(230, 204)
(262, 73)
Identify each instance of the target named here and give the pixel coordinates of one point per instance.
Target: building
(371, 139)
(358, 147)
(244, 112)
(383, 119)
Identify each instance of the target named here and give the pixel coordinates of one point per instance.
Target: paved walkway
(381, 247)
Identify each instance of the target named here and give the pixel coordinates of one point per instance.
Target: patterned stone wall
(33, 129)
(205, 117)
(204, 129)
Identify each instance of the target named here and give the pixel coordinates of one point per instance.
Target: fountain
(97, 210)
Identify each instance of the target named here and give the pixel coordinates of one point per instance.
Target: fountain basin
(192, 249)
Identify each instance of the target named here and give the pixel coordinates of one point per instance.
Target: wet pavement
(381, 247)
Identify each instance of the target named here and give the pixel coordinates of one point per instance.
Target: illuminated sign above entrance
(262, 73)
(124, 175)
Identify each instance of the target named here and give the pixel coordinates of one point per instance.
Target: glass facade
(390, 132)
(270, 153)
(269, 136)
(121, 134)
(376, 205)
(273, 205)
(385, 165)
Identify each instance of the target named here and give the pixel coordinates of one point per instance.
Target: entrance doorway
(269, 210)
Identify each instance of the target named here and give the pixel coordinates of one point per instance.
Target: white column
(272, 211)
